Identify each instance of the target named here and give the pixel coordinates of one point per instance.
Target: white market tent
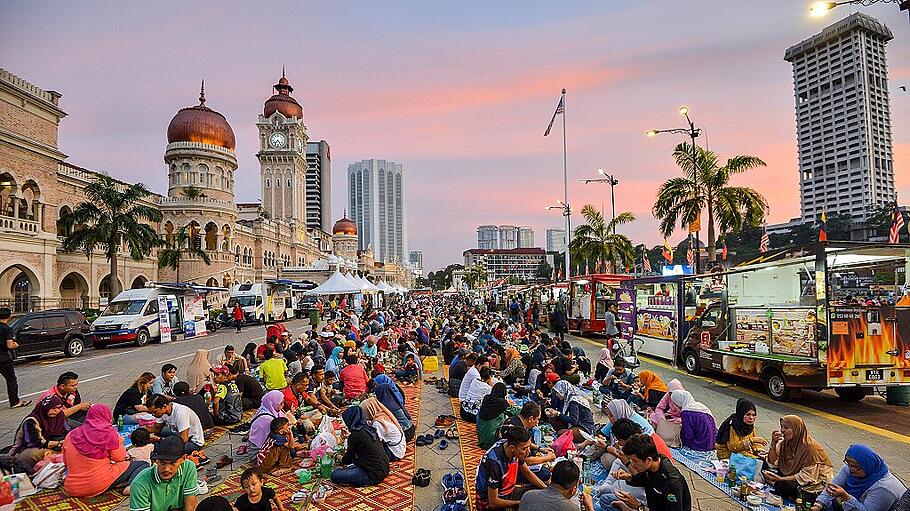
(364, 284)
(369, 286)
(400, 289)
(336, 284)
(385, 287)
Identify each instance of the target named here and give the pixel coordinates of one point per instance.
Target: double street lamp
(611, 180)
(819, 9)
(692, 132)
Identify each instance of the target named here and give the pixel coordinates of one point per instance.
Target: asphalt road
(104, 374)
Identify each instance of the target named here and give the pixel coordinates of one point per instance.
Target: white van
(133, 317)
(261, 302)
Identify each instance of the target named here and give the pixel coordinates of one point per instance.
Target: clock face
(277, 139)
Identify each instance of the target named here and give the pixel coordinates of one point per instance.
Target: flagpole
(565, 184)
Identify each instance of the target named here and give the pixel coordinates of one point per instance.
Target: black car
(50, 331)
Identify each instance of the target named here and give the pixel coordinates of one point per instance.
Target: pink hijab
(96, 437)
(666, 406)
(268, 410)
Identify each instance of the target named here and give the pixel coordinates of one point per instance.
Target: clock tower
(282, 156)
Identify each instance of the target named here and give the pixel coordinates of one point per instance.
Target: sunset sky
(458, 92)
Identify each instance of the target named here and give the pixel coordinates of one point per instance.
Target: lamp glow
(602, 172)
(651, 133)
(683, 110)
(820, 9)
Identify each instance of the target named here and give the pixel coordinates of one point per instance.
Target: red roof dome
(345, 226)
(201, 124)
(282, 101)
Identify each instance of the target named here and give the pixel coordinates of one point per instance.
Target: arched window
(211, 236)
(267, 183)
(22, 288)
(64, 211)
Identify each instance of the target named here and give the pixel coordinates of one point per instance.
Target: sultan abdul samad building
(247, 242)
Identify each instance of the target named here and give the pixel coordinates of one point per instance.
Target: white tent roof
(352, 279)
(337, 284)
(369, 286)
(401, 289)
(364, 284)
(385, 287)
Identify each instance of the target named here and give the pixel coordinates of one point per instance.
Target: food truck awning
(183, 287)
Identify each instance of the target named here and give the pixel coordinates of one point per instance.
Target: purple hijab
(268, 410)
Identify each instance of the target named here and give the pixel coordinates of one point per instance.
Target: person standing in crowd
(237, 313)
(7, 345)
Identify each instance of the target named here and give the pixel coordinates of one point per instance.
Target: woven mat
(283, 481)
(699, 462)
(471, 454)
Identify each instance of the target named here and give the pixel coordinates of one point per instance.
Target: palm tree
(111, 217)
(193, 192)
(596, 240)
(475, 275)
(680, 200)
(184, 244)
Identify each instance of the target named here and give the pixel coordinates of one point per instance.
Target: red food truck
(588, 298)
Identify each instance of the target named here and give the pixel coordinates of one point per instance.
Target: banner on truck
(164, 319)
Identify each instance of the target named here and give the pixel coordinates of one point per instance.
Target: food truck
(836, 316)
(655, 313)
(588, 298)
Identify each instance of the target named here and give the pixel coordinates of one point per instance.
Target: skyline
(463, 100)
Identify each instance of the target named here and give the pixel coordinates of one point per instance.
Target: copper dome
(282, 101)
(345, 226)
(201, 124)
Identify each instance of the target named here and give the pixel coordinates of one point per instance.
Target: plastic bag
(50, 476)
(564, 443)
(744, 465)
(321, 443)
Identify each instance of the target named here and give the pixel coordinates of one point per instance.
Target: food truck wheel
(776, 386)
(691, 360)
(142, 337)
(852, 393)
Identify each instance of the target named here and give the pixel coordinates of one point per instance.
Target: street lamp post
(612, 181)
(566, 212)
(819, 9)
(693, 133)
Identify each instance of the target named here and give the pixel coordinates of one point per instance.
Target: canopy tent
(369, 286)
(353, 280)
(336, 284)
(385, 287)
(365, 285)
(401, 289)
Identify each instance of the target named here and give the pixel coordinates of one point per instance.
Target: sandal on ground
(22, 404)
(452, 434)
(224, 461)
(443, 444)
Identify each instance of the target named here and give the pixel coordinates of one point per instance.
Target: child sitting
(279, 448)
(142, 447)
(328, 394)
(256, 497)
(408, 372)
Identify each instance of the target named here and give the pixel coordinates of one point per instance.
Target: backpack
(231, 409)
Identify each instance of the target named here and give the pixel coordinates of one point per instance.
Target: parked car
(50, 331)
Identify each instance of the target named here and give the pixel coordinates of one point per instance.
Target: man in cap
(170, 483)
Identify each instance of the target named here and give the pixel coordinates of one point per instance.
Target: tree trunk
(177, 268)
(115, 282)
(712, 242)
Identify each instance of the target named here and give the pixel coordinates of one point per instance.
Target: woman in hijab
(737, 433)
(491, 415)
(698, 426)
(95, 458)
(365, 462)
(514, 367)
(386, 426)
(665, 409)
(569, 409)
(199, 370)
(621, 409)
(333, 363)
(864, 483)
(390, 395)
(603, 365)
(653, 389)
(270, 409)
(40, 433)
(797, 462)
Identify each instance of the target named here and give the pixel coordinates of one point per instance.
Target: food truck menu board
(625, 306)
(660, 323)
(774, 331)
(793, 332)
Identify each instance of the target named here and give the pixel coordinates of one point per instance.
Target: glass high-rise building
(319, 186)
(376, 204)
(843, 118)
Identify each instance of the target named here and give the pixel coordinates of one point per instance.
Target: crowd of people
(531, 395)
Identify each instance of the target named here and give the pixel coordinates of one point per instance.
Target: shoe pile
(421, 478)
(442, 385)
(454, 495)
(445, 421)
(429, 438)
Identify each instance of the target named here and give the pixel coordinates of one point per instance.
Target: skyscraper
(319, 186)
(376, 203)
(525, 237)
(556, 240)
(416, 260)
(488, 236)
(843, 119)
(508, 236)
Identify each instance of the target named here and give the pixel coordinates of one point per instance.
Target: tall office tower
(525, 237)
(508, 236)
(556, 240)
(319, 186)
(488, 236)
(843, 119)
(376, 203)
(416, 260)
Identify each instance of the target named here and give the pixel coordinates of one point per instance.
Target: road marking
(187, 355)
(818, 413)
(45, 390)
(60, 363)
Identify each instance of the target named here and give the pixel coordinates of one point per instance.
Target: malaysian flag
(646, 263)
(723, 252)
(897, 223)
(560, 109)
(690, 253)
(765, 240)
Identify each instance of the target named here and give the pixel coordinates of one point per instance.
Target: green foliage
(110, 219)
(475, 276)
(185, 244)
(442, 279)
(705, 185)
(596, 243)
(544, 271)
(193, 192)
